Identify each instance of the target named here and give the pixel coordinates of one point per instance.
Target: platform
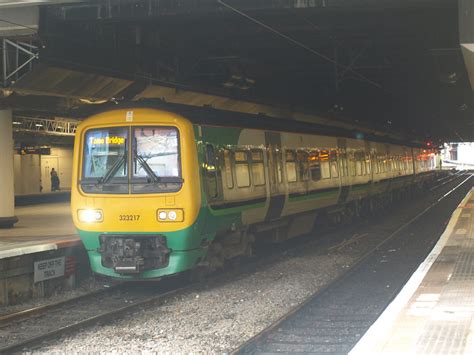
(44, 233)
(40, 228)
(42, 198)
(434, 312)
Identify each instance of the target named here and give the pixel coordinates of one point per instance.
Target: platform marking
(27, 250)
(383, 325)
(461, 231)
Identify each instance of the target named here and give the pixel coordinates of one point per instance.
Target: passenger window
(352, 164)
(257, 155)
(314, 166)
(383, 167)
(376, 164)
(291, 165)
(325, 168)
(359, 167)
(334, 168)
(359, 163)
(368, 167)
(258, 170)
(343, 164)
(303, 166)
(228, 169)
(242, 169)
(279, 165)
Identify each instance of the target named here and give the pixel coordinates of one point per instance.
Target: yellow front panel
(138, 212)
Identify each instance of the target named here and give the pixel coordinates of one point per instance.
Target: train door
(277, 194)
(48, 162)
(211, 174)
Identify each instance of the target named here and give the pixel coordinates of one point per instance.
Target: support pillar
(466, 35)
(7, 192)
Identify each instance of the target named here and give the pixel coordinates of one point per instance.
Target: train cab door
(276, 187)
(211, 174)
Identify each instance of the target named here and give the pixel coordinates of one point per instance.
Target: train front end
(136, 193)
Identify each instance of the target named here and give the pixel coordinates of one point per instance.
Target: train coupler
(132, 254)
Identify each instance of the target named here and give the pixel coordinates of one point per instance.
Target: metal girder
(140, 9)
(44, 126)
(17, 59)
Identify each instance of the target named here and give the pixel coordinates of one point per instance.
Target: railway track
(322, 324)
(28, 328)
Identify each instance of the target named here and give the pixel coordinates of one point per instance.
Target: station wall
(32, 171)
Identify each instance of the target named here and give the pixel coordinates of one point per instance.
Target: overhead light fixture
(6, 92)
(93, 102)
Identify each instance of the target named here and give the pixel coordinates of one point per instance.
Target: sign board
(49, 269)
(34, 150)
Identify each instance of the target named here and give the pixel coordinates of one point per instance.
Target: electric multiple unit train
(157, 192)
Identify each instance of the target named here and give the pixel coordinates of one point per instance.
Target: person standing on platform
(54, 180)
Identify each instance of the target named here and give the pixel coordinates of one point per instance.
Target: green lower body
(185, 253)
(179, 261)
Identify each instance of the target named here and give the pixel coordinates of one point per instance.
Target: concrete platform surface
(434, 312)
(40, 228)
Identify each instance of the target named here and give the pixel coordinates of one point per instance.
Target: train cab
(136, 192)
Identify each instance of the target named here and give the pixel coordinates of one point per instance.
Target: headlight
(168, 215)
(90, 216)
(162, 215)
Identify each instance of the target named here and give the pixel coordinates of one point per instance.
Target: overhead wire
(19, 24)
(298, 43)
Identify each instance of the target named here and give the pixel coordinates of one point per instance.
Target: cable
(299, 44)
(19, 24)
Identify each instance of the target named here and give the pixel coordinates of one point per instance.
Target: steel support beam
(44, 126)
(17, 59)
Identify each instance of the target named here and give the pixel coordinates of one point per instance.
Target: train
(162, 189)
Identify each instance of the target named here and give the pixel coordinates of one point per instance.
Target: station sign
(34, 150)
(49, 269)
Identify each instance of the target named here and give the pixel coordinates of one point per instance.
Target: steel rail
(264, 332)
(122, 311)
(8, 318)
(103, 317)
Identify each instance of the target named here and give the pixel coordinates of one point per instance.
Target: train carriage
(157, 192)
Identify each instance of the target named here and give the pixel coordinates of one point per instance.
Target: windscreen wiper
(149, 171)
(112, 170)
(156, 179)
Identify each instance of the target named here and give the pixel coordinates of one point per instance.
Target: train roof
(207, 115)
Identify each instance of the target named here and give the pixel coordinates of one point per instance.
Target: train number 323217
(129, 217)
